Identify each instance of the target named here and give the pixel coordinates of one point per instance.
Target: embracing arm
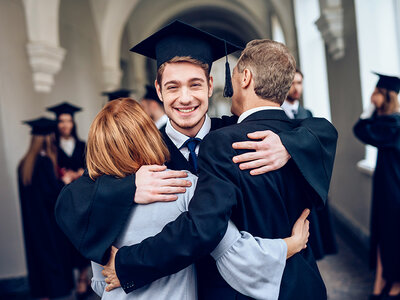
(194, 233)
(254, 266)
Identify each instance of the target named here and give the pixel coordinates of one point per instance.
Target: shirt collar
(254, 110)
(179, 138)
(161, 121)
(291, 106)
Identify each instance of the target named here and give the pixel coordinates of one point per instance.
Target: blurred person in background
(292, 106)
(379, 126)
(71, 161)
(49, 270)
(70, 149)
(153, 106)
(121, 93)
(322, 235)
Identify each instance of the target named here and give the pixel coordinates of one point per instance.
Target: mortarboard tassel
(228, 89)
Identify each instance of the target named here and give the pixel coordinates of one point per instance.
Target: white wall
(79, 82)
(312, 58)
(377, 51)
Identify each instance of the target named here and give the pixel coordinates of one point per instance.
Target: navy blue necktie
(191, 144)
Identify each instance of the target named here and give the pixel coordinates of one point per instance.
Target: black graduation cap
(391, 83)
(42, 126)
(151, 93)
(181, 39)
(121, 93)
(64, 108)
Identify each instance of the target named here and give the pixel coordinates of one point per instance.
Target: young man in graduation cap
(184, 56)
(153, 106)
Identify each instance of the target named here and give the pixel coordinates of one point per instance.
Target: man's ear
(210, 86)
(158, 89)
(246, 78)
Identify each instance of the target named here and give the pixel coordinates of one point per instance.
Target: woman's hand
(298, 240)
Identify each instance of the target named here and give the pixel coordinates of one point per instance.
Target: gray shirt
(252, 266)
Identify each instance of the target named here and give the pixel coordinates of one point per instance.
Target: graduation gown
(92, 213)
(49, 268)
(322, 235)
(383, 132)
(74, 162)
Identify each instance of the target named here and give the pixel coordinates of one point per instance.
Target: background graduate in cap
(153, 106)
(71, 150)
(48, 259)
(71, 161)
(379, 126)
(121, 93)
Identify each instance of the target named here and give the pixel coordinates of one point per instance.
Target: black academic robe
(383, 132)
(266, 206)
(49, 267)
(322, 234)
(74, 162)
(93, 213)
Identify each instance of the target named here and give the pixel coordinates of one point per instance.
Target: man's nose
(186, 95)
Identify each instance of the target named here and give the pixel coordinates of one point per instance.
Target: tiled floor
(346, 275)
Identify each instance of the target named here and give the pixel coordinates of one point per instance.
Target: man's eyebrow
(190, 80)
(171, 82)
(197, 79)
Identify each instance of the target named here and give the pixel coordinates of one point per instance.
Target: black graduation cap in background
(181, 39)
(121, 93)
(42, 126)
(151, 93)
(391, 83)
(64, 108)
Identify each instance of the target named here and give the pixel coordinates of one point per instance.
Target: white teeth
(186, 110)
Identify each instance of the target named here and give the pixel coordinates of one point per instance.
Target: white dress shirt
(67, 145)
(179, 138)
(254, 110)
(291, 108)
(161, 121)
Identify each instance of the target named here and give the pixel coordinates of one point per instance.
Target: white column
(110, 19)
(312, 58)
(277, 31)
(378, 46)
(45, 54)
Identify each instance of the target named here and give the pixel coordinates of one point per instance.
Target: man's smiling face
(185, 91)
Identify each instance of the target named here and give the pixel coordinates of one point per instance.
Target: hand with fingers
(269, 153)
(300, 233)
(154, 184)
(109, 272)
